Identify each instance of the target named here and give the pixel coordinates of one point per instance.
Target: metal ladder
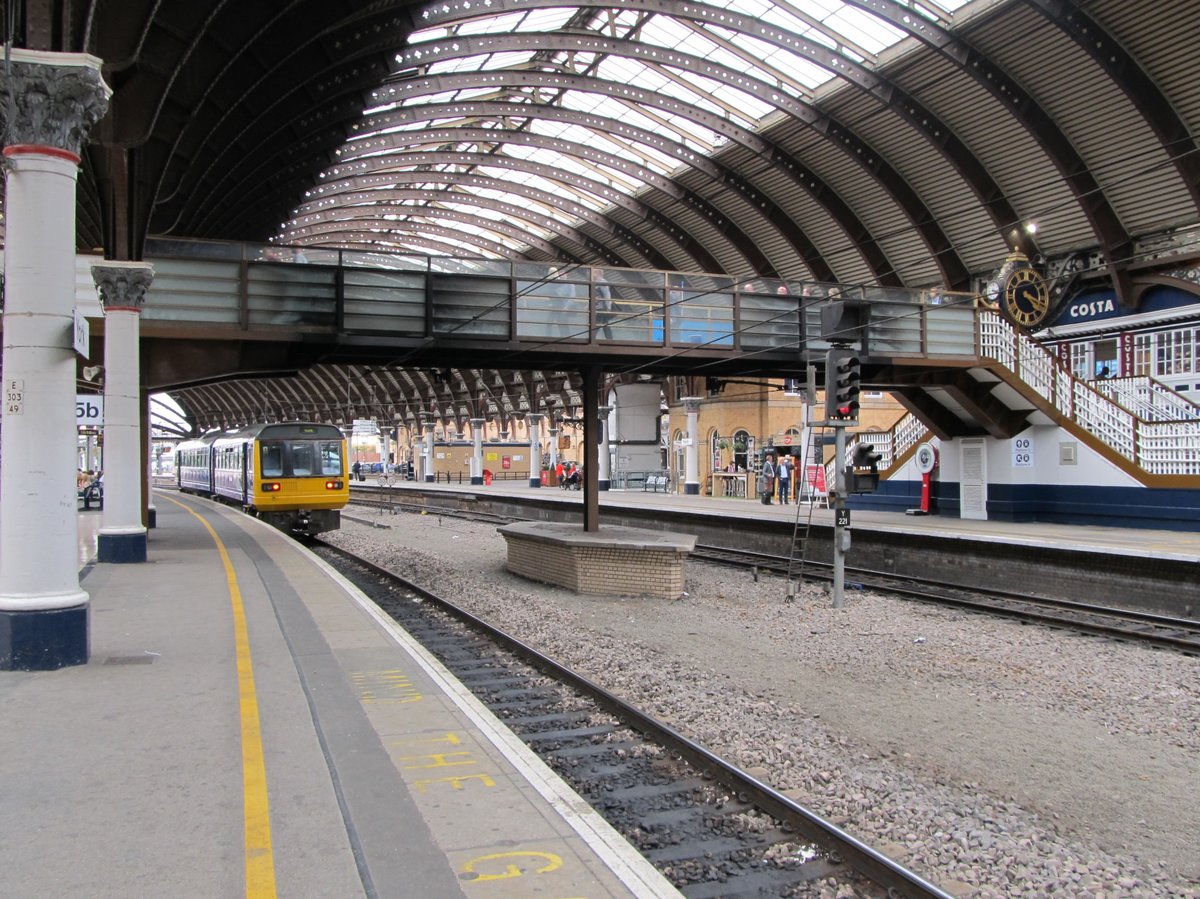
(801, 528)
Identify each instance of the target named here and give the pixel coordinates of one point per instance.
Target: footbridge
(223, 312)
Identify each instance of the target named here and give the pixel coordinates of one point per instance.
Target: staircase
(1142, 426)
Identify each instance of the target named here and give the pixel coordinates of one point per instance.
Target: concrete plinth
(612, 561)
(43, 640)
(121, 547)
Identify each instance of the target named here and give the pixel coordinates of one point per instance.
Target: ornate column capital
(57, 98)
(534, 418)
(692, 404)
(122, 285)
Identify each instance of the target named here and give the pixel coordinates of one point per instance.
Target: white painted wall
(1050, 448)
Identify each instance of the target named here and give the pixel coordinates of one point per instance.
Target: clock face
(1026, 299)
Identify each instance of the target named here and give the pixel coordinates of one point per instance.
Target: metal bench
(656, 481)
(92, 493)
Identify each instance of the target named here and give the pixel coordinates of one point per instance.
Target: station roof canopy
(894, 142)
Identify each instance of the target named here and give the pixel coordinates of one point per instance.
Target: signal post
(843, 323)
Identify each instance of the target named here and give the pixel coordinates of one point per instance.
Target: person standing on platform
(767, 478)
(784, 476)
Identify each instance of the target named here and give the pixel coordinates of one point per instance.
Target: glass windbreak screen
(331, 458)
(272, 460)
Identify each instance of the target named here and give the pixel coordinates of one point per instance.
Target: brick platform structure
(615, 560)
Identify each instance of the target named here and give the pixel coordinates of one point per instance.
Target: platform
(250, 724)
(1161, 544)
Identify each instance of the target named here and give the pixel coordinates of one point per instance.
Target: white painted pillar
(552, 431)
(477, 452)
(56, 98)
(691, 453)
(427, 445)
(146, 425)
(534, 421)
(122, 286)
(604, 453)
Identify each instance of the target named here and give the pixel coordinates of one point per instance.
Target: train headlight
(272, 487)
(333, 485)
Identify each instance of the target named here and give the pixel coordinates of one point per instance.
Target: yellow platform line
(260, 857)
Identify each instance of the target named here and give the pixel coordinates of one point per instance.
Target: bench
(656, 481)
(92, 493)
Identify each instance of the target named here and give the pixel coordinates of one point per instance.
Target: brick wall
(612, 570)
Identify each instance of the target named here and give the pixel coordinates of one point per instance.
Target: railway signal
(862, 474)
(843, 374)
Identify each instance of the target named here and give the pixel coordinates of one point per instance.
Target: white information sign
(80, 334)
(89, 410)
(1022, 448)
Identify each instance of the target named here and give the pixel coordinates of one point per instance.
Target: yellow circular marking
(554, 862)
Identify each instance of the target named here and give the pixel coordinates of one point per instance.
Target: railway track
(1177, 634)
(712, 829)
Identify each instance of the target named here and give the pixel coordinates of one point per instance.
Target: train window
(303, 463)
(272, 460)
(331, 458)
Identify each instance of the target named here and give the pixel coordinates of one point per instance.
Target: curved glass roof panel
(591, 76)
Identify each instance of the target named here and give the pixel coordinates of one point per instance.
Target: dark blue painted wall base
(477, 481)
(45, 640)
(120, 547)
(691, 489)
(1124, 507)
(603, 485)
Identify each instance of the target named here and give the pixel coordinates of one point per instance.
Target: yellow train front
(291, 475)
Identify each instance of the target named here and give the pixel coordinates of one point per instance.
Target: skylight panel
(482, 62)
(864, 29)
(664, 31)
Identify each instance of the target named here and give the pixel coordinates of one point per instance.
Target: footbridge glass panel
(471, 297)
(700, 308)
(552, 302)
(633, 310)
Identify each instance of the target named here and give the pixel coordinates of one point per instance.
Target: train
(291, 475)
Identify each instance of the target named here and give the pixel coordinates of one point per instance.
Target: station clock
(1023, 294)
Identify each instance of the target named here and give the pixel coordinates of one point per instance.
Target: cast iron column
(691, 453)
(122, 287)
(54, 99)
(604, 455)
(534, 420)
(427, 445)
(477, 454)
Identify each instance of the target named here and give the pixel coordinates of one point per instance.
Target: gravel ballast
(995, 759)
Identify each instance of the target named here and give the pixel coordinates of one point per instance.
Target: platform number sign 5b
(1022, 452)
(89, 410)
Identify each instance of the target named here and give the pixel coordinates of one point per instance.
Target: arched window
(741, 444)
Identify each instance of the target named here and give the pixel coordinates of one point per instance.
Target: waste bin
(487, 478)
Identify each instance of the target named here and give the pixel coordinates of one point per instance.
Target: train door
(247, 471)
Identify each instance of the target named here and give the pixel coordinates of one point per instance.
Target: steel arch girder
(1111, 234)
(716, 171)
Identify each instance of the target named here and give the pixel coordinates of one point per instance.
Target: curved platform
(250, 723)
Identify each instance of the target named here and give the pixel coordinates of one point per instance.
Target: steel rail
(868, 862)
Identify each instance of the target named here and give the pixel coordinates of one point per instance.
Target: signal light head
(842, 376)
